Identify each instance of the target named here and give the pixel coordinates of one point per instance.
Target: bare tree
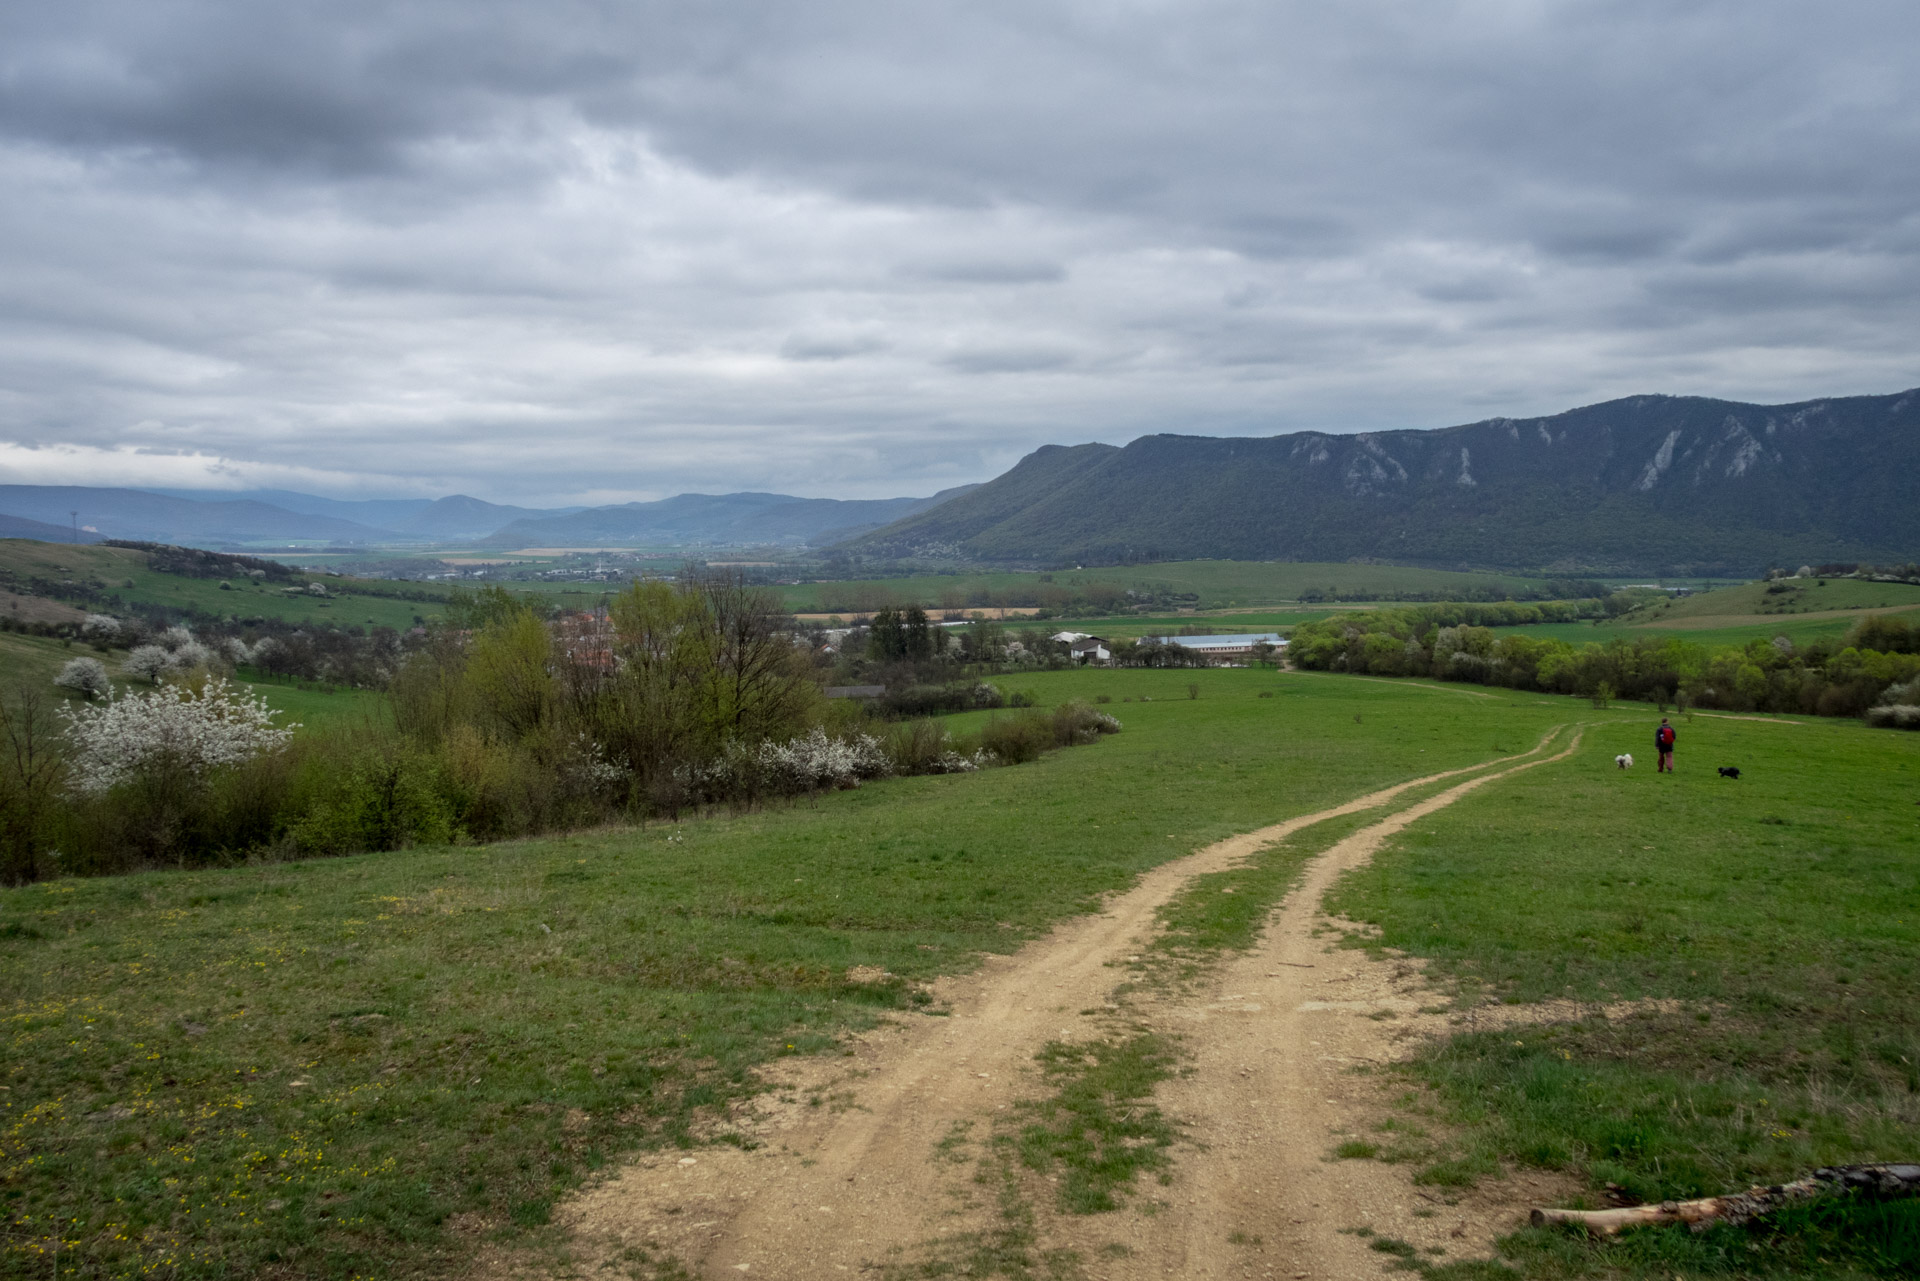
(31, 769)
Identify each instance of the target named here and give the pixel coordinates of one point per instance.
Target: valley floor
(1211, 997)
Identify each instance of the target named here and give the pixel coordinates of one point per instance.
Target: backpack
(1664, 737)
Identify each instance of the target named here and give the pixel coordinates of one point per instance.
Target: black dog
(1729, 771)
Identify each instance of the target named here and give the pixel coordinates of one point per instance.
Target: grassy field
(368, 1066)
(1761, 601)
(123, 572)
(1219, 584)
(1782, 911)
(364, 1065)
(1799, 630)
(1807, 610)
(38, 659)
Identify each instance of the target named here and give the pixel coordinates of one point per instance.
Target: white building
(1224, 649)
(1090, 649)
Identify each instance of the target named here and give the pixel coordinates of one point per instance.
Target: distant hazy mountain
(41, 531)
(140, 514)
(1634, 485)
(710, 519)
(219, 518)
(457, 517)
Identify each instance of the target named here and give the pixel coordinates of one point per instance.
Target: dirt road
(863, 1160)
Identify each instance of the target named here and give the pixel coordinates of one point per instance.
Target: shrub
(931, 700)
(173, 728)
(925, 747)
(1894, 716)
(86, 676)
(1015, 740)
(1075, 724)
(813, 762)
(386, 799)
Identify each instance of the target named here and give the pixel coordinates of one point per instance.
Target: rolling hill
(733, 519)
(1641, 485)
(144, 515)
(454, 517)
(217, 518)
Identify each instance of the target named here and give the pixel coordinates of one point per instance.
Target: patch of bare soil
(863, 1160)
(1274, 1092)
(39, 609)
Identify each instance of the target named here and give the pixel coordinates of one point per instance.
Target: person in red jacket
(1663, 744)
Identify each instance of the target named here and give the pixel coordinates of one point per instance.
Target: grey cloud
(664, 244)
(1006, 271)
(1007, 360)
(829, 347)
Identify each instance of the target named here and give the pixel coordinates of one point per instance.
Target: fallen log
(1882, 1181)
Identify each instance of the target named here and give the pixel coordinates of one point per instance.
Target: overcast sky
(589, 252)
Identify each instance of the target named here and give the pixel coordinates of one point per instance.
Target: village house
(1090, 649)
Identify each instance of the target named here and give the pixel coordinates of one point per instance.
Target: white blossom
(188, 656)
(100, 626)
(118, 739)
(148, 661)
(805, 764)
(85, 675)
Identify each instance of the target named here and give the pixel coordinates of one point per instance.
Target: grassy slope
(1800, 597)
(1783, 908)
(1736, 615)
(1220, 584)
(37, 659)
(114, 566)
(308, 1068)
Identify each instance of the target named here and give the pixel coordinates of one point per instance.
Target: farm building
(1225, 649)
(1089, 649)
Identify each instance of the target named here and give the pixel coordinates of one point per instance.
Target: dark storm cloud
(585, 249)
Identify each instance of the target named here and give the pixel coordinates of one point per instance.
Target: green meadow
(375, 1065)
(38, 659)
(123, 572)
(1216, 584)
(1780, 911)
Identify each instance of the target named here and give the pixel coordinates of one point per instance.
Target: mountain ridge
(236, 518)
(1633, 485)
(746, 518)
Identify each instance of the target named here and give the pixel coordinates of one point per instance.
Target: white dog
(1624, 760)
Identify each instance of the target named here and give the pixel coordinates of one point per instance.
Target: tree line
(1877, 663)
(498, 721)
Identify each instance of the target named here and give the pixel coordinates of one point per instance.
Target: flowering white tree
(100, 627)
(86, 676)
(171, 727)
(188, 656)
(148, 661)
(809, 763)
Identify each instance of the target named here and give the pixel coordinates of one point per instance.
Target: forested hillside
(1642, 485)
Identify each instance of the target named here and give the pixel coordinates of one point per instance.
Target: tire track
(830, 1191)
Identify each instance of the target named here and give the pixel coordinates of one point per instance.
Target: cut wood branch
(1880, 1181)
